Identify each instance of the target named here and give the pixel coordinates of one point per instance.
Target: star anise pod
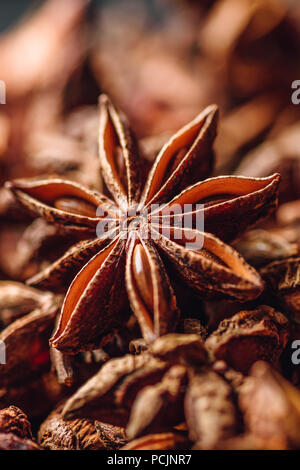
(158, 390)
(28, 317)
(270, 405)
(176, 384)
(142, 241)
(78, 434)
(13, 420)
(15, 430)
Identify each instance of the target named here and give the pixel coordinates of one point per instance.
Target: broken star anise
(152, 392)
(134, 239)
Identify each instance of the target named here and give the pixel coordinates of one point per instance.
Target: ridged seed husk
(112, 437)
(213, 270)
(192, 326)
(13, 420)
(250, 336)
(238, 201)
(160, 406)
(96, 398)
(271, 405)
(56, 433)
(283, 280)
(180, 348)
(115, 138)
(26, 344)
(197, 137)
(17, 300)
(60, 273)
(151, 373)
(39, 197)
(209, 409)
(97, 288)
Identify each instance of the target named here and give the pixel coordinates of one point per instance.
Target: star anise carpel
(128, 242)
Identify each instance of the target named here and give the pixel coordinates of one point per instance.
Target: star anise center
(133, 219)
(131, 239)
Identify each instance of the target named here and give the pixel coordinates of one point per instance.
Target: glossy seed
(142, 276)
(75, 206)
(121, 166)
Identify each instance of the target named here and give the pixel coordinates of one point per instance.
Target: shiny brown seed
(142, 276)
(75, 206)
(121, 166)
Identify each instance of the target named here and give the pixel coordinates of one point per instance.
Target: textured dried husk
(112, 437)
(78, 434)
(271, 405)
(26, 344)
(15, 430)
(283, 275)
(59, 274)
(198, 137)
(151, 373)
(96, 398)
(210, 412)
(282, 278)
(240, 203)
(190, 326)
(124, 387)
(17, 300)
(165, 397)
(13, 420)
(39, 196)
(229, 276)
(80, 328)
(114, 131)
(178, 348)
(249, 336)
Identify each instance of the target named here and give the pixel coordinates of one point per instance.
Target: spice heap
(139, 308)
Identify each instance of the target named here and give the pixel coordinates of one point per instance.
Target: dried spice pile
(120, 330)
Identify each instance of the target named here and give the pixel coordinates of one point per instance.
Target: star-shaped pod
(129, 241)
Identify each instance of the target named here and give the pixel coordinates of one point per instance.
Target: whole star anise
(143, 231)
